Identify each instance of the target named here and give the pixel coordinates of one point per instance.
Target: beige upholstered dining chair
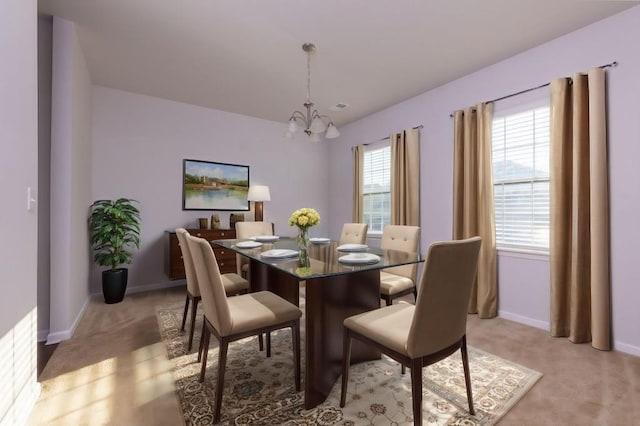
(429, 331)
(354, 233)
(400, 280)
(233, 283)
(245, 230)
(238, 317)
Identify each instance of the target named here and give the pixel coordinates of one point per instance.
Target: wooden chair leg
(467, 375)
(268, 344)
(403, 369)
(222, 363)
(205, 352)
(346, 361)
(388, 300)
(204, 326)
(184, 315)
(415, 294)
(295, 330)
(194, 310)
(416, 390)
(260, 342)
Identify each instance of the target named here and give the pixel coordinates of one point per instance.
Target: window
(520, 150)
(376, 190)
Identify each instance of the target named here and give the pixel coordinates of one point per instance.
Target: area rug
(260, 390)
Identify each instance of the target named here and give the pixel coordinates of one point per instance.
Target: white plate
(248, 244)
(279, 253)
(353, 247)
(266, 238)
(359, 258)
(319, 240)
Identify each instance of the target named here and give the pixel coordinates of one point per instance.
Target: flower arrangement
(304, 218)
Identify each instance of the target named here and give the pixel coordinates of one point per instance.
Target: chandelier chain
(308, 77)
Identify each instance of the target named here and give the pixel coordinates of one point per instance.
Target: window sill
(374, 235)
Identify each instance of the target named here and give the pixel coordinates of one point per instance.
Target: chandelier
(313, 123)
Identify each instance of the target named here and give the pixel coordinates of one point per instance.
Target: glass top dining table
(333, 291)
(326, 259)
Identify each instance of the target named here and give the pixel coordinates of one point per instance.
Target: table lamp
(258, 194)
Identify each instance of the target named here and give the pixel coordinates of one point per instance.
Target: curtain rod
(609, 65)
(419, 126)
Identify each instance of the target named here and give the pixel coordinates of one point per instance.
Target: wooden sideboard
(174, 266)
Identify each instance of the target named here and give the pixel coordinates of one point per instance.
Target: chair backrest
(250, 229)
(440, 317)
(214, 297)
(245, 230)
(402, 238)
(189, 270)
(354, 233)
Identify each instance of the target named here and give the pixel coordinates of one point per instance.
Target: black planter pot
(114, 284)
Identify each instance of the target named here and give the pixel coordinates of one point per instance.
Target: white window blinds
(520, 149)
(376, 198)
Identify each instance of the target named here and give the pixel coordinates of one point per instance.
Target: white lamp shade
(293, 125)
(259, 193)
(317, 125)
(332, 132)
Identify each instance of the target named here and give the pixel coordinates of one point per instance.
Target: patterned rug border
(178, 361)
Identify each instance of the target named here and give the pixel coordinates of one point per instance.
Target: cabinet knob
(222, 234)
(221, 263)
(198, 234)
(221, 252)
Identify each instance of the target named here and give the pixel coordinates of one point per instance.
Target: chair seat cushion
(234, 283)
(391, 284)
(388, 326)
(261, 309)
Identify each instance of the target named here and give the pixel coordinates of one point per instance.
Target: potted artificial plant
(115, 229)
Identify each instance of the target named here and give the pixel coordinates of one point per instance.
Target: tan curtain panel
(358, 169)
(579, 246)
(473, 209)
(405, 178)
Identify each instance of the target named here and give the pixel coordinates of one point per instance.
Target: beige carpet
(259, 390)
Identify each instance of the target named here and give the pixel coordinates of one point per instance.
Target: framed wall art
(208, 185)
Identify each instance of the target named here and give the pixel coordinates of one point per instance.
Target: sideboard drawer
(174, 264)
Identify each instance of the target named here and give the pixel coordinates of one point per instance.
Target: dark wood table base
(329, 300)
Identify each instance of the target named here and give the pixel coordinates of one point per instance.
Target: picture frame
(210, 185)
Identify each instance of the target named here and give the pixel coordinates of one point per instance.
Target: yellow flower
(304, 218)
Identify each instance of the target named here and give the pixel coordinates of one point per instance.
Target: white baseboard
(156, 286)
(42, 335)
(617, 345)
(149, 287)
(59, 336)
(626, 348)
(544, 325)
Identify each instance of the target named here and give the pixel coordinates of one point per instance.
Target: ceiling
(245, 56)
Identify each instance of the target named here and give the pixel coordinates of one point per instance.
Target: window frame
(522, 103)
(368, 148)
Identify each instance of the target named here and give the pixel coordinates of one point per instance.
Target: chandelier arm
(311, 113)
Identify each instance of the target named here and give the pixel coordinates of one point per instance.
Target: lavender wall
(70, 181)
(524, 281)
(139, 143)
(18, 225)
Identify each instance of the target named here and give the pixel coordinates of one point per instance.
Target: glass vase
(303, 245)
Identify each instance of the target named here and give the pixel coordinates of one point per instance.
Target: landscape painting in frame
(208, 185)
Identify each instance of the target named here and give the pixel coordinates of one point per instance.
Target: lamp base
(259, 211)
